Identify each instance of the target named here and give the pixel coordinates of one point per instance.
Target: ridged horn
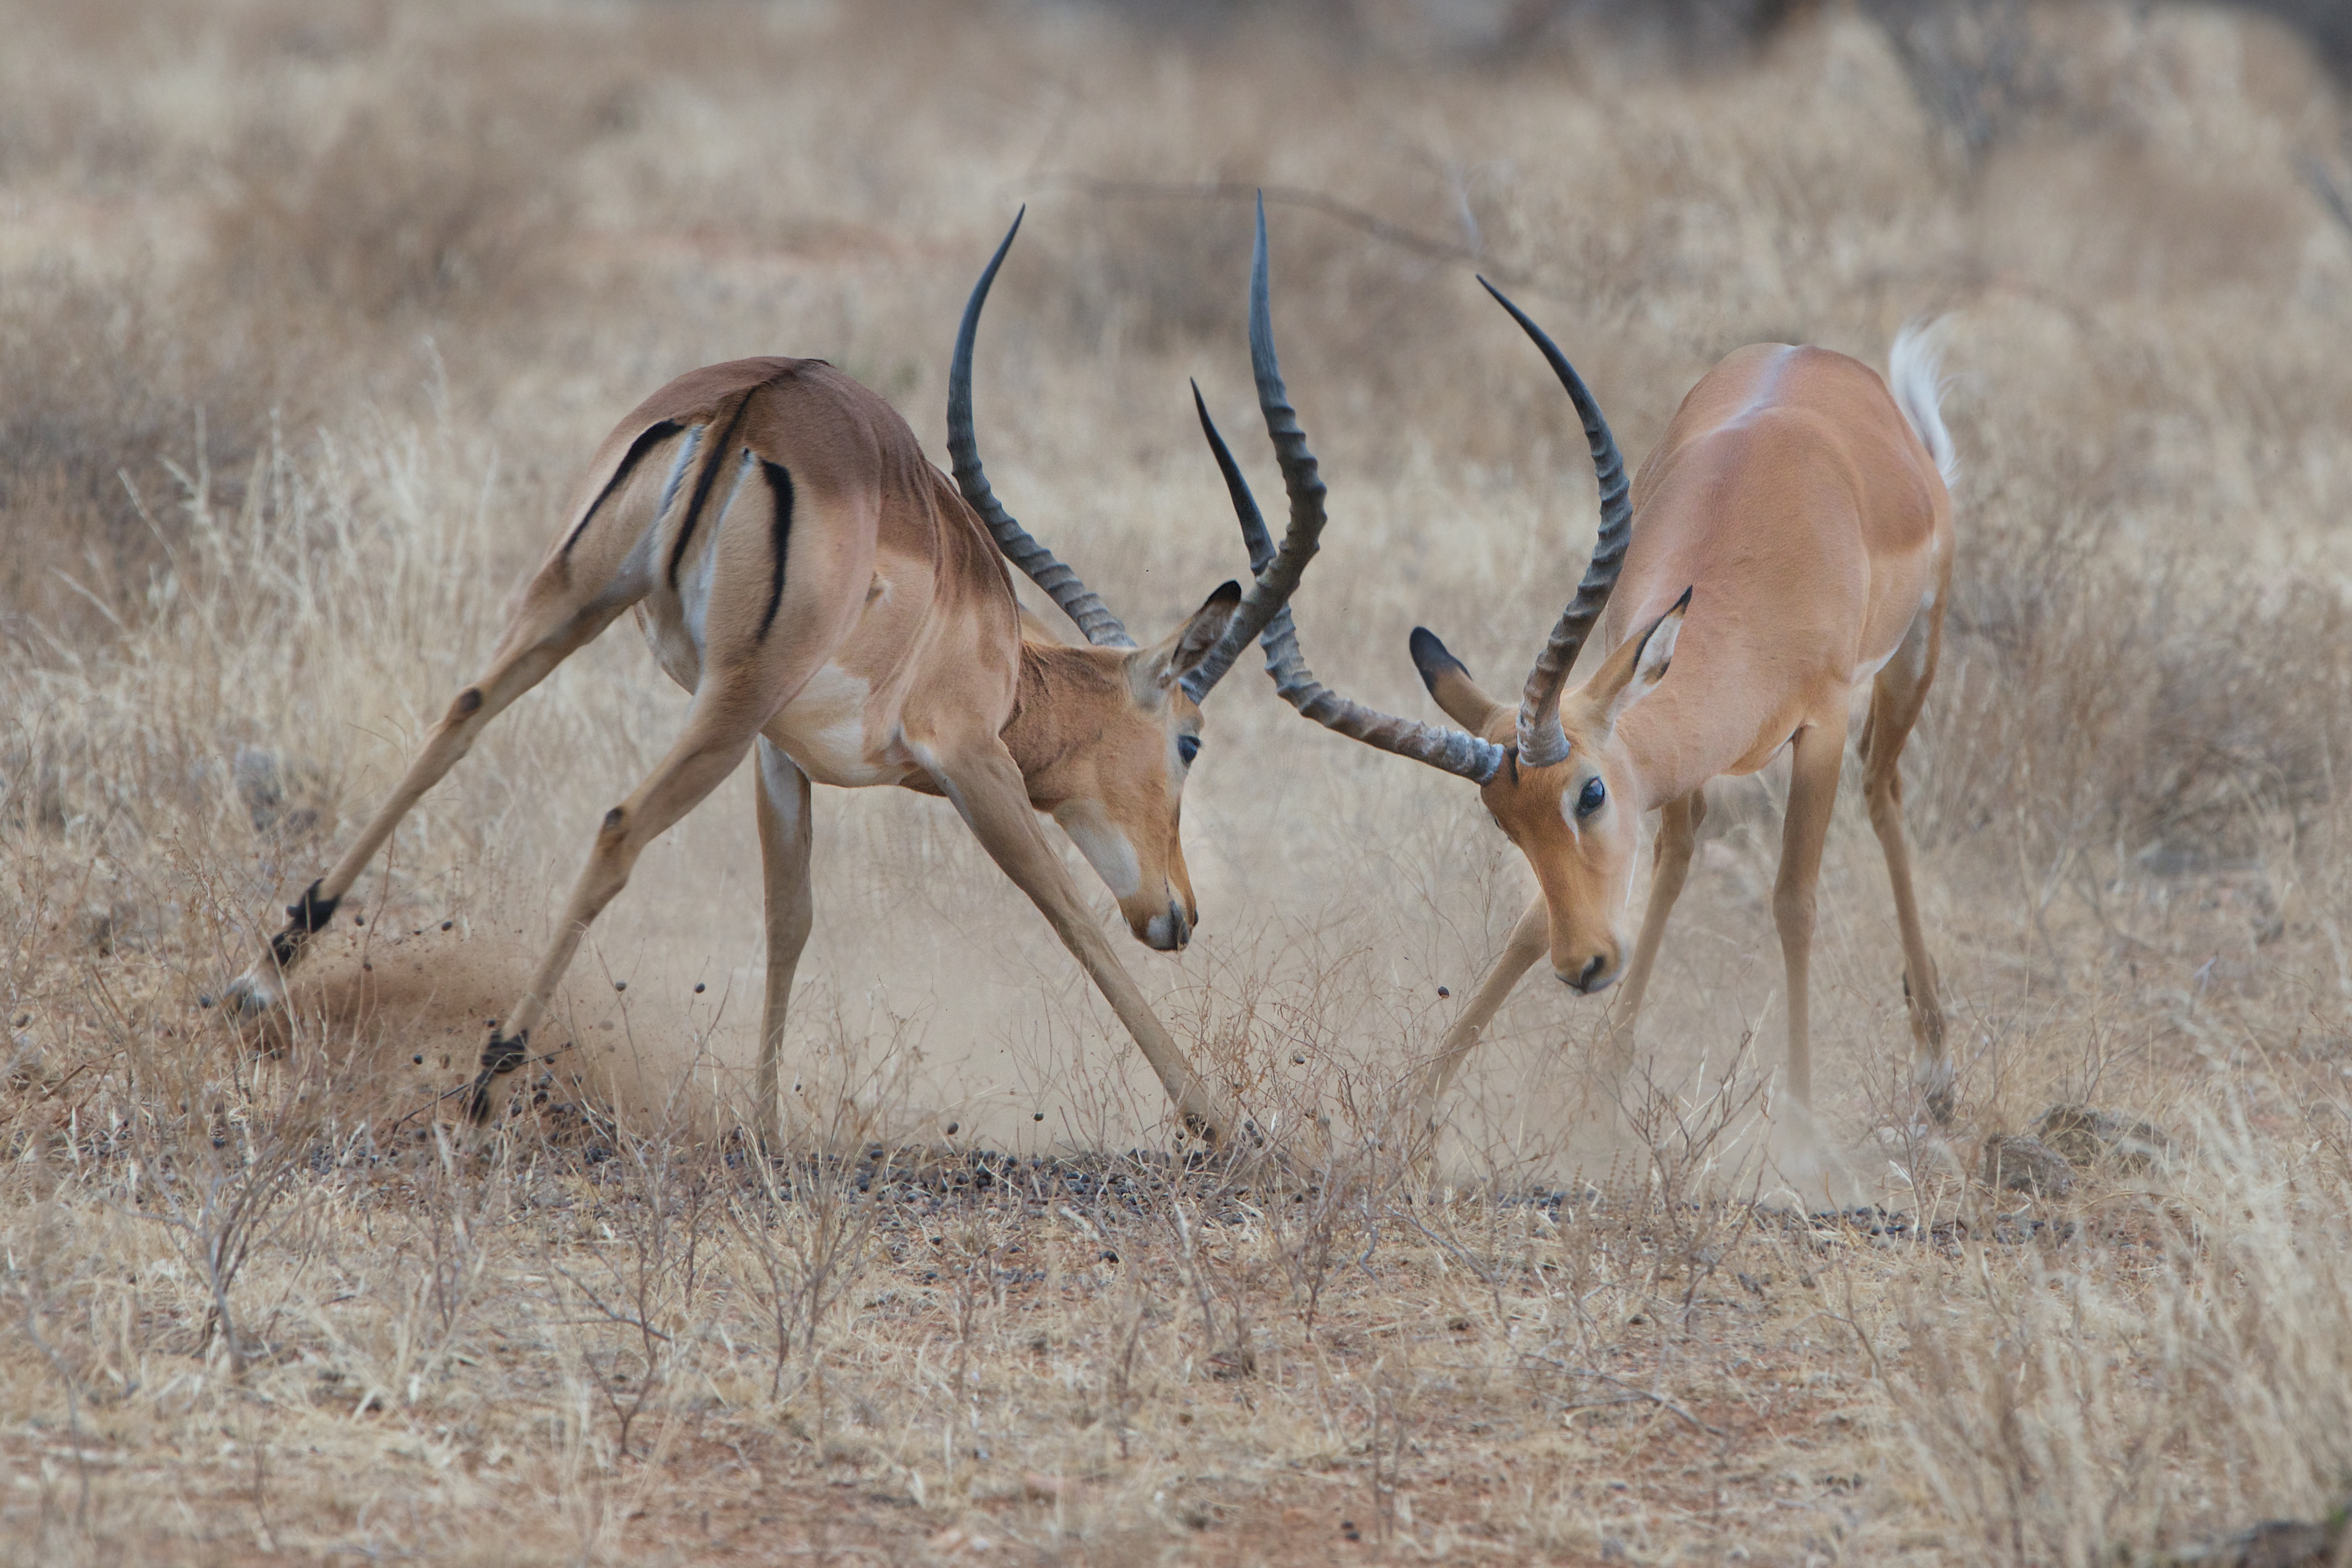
(1255, 539)
(1077, 600)
(1542, 742)
(1449, 749)
(1276, 578)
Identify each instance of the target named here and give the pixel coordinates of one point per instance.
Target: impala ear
(1173, 657)
(1631, 672)
(1449, 681)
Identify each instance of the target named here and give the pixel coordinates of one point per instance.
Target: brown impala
(826, 593)
(1797, 513)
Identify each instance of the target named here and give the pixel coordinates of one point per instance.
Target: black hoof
(304, 918)
(500, 1056)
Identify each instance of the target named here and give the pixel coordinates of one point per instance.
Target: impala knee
(1792, 910)
(1883, 795)
(469, 703)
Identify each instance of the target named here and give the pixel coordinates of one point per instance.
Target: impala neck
(1046, 734)
(1659, 756)
(1708, 717)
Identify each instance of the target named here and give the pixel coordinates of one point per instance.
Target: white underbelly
(1864, 672)
(823, 730)
(1911, 642)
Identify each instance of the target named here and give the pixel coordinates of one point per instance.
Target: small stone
(2025, 1165)
(2085, 1137)
(1442, 992)
(1037, 1116)
(447, 924)
(620, 985)
(697, 988)
(952, 1128)
(25, 1063)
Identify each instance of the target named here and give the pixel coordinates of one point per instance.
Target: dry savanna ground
(309, 313)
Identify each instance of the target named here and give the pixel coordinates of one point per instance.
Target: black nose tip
(1592, 977)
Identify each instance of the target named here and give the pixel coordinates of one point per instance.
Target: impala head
(1107, 734)
(1550, 770)
(1577, 820)
(1105, 738)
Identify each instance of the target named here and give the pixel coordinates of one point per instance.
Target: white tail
(1915, 374)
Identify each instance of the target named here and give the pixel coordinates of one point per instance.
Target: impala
(828, 596)
(1789, 541)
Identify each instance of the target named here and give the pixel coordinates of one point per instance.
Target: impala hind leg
(1818, 752)
(728, 713)
(556, 618)
(786, 837)
(1527, 943)
(1678, 824)
(985, 784)
(1895, 699)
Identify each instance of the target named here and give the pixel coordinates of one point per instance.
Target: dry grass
(307, 317)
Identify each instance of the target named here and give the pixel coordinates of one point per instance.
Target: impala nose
(1595, 975)
(1168, 930)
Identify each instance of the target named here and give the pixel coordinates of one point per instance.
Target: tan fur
(1797, 506)
(893, 653)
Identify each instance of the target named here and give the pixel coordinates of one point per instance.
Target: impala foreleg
(1529, 941)
(987, 788)
(1679, 823)
(1896, 697)
(718, 730)
(1818, 752)
(553, 622)
(786, 837)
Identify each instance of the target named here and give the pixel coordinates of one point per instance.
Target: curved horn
(1278, 578)
(1077, 600)
(1449, 749)
(1255, 539)
(1541, 740)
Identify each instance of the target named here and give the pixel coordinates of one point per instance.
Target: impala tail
(1915, 374)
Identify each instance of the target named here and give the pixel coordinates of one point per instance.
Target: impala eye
(1188, 747)
(1594, 796)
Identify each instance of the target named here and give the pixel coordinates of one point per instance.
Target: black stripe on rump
(653, 435)
(779, 487)
(702, 485)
